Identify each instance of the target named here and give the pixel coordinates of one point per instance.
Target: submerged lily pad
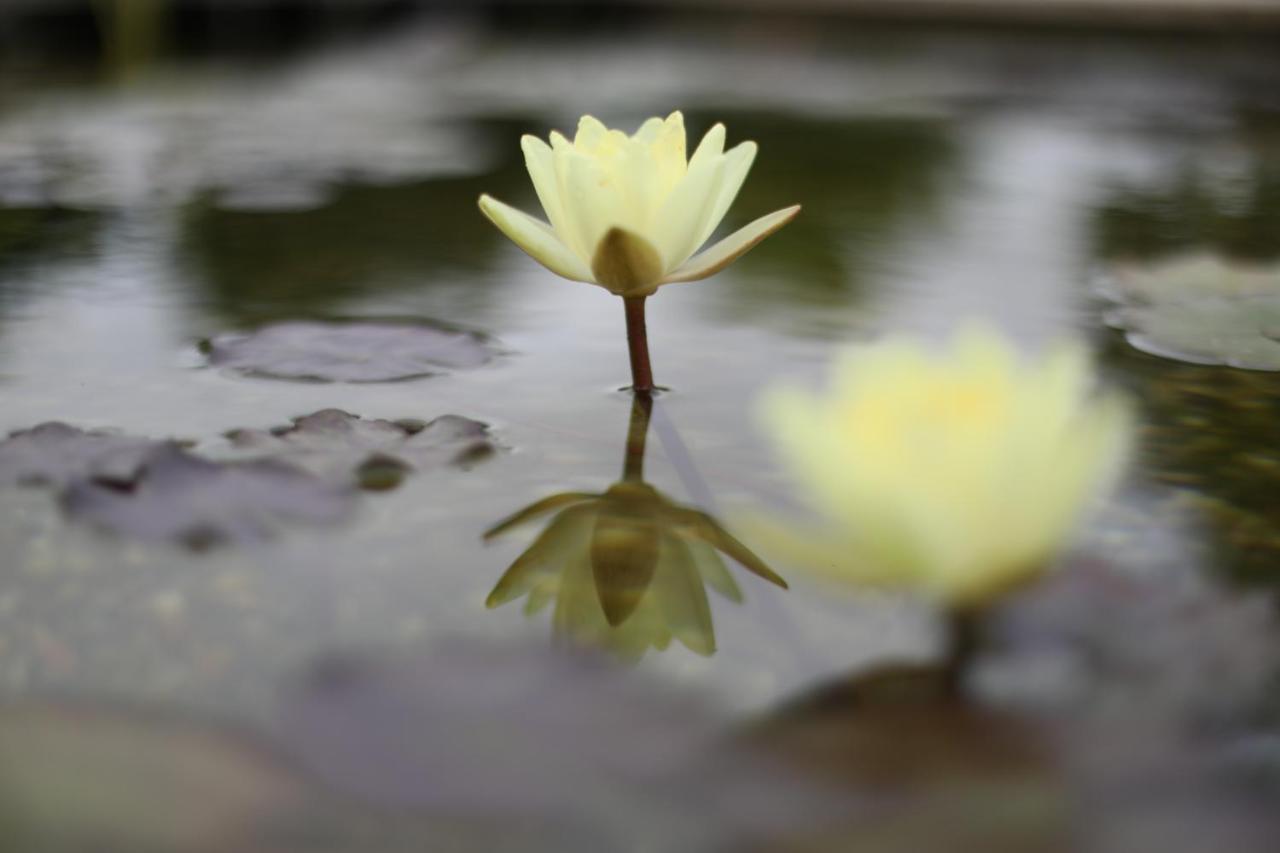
(1202, 310)
(377, 454)
(177, 496)
(54, 453)
(349, 351)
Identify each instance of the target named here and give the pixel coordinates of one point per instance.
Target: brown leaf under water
(373, 453)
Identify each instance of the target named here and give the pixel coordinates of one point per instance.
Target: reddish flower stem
(638, 344)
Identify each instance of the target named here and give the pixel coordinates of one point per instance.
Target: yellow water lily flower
(628, 212)
(957, 473)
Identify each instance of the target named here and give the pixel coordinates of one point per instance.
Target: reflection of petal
(536, 509)
(817, 547)
(566, 535)
(539, 597)
(578, 616)
(624, 552)
(681, 599)
(713, 570)
(728, 250)
(645, 629)
(706, 528)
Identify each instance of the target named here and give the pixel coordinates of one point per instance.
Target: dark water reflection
(355, 241)
(866, 184)
(1231, 208)
(943, 174)
(32, 238)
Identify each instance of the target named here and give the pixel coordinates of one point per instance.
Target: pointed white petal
(541, 164)
(737, 162)
(649, 130)
(594, 199)
(559, 142)
(668, 152)
(680, 219)
(732, 247)
(578, 234)
(591, 132)
(536, 238)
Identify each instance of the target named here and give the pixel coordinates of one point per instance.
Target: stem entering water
(638, 344)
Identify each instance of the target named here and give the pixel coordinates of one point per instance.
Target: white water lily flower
(959, 474)
(628, 212)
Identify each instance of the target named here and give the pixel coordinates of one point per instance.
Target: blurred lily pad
(522, 738)
(1200, 309)
(376, 454)
(54, 453)
(349, 351)
(177, 496)
(75, 778)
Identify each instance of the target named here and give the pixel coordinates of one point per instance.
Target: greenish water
(943, 176)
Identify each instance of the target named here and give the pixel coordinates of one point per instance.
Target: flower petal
(680, 220)
(732, 247)
(591, 134)
(536, 238)
(682, 599)
(709, 530)
(575, 177)
(649, 131)
(540, 162)
(564, 537)
(713, 570)
(737, 162)
(626, 264)
(535, 510)
(668, 153)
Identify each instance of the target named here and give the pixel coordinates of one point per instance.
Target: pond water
(340, 664)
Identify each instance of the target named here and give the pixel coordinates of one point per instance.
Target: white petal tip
(732, 247)
(535, 237)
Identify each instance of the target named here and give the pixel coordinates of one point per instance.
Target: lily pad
(373, 453)
(177, 496)
(1201, 309)
(54, 453)
(349, 351)
(83, 778)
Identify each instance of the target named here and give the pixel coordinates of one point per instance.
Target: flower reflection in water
(627, 568)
